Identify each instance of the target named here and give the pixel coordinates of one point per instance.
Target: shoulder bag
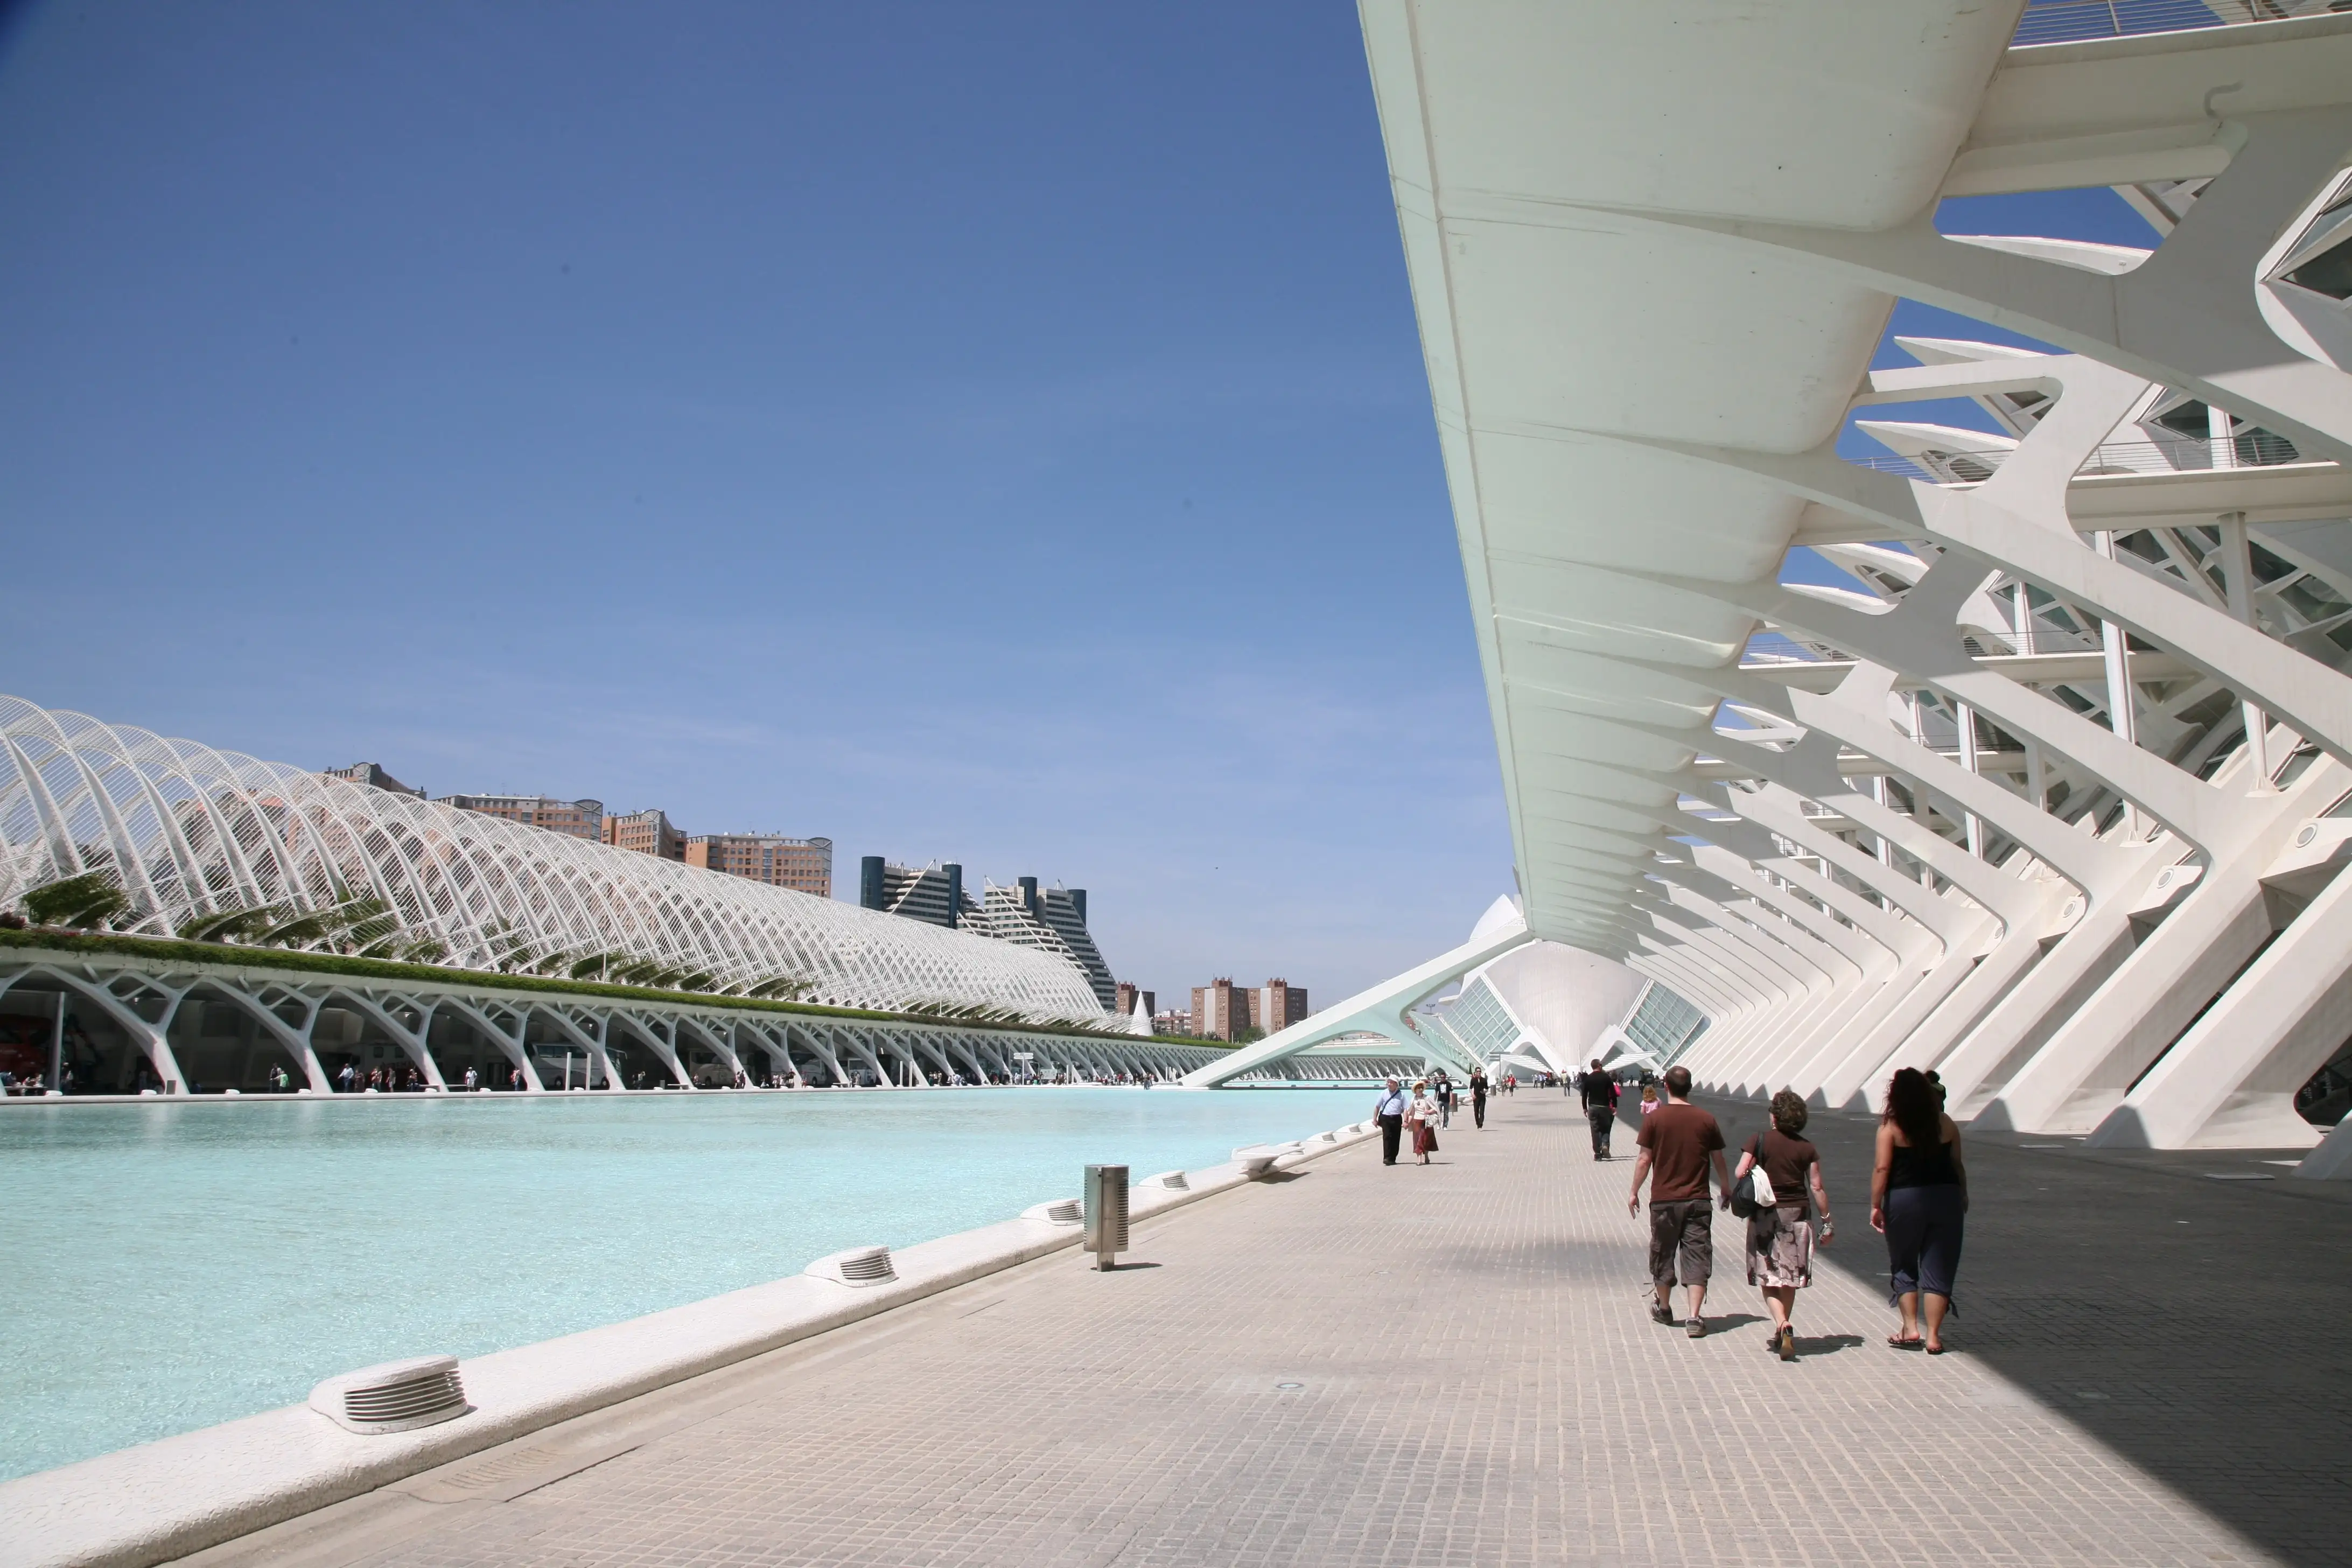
(1752, 1193)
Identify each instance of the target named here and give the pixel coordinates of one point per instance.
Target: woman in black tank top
(1918, 1196)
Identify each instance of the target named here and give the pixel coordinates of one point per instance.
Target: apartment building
(576, 818)
(1280, 1004)
(804, 864)
(1222, 1010)
(374, 777)
(647, 832)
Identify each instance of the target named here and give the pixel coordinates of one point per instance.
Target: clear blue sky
(985, 433)
(982, 433)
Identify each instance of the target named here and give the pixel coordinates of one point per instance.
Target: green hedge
(224, 955)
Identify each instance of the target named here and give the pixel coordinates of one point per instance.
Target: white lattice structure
(188, 830)
(2047, 799)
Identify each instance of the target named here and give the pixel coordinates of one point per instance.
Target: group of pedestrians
(1399, 1113)
(1429, 1106)
(1918, 1196)
(378, 1080)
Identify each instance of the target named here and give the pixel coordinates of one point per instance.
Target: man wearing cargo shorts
(1677, 1141)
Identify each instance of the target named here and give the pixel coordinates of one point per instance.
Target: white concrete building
(2045, 796)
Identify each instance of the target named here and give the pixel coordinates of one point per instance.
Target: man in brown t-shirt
(1677, 1141)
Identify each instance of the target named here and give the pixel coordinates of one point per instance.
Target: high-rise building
(1280, 1004)
(648, 832)
(933, 894)
(804, 865)
(1222, 1010)
(374, 777)
(1052, 919)
(577, 818)
(1130, 993)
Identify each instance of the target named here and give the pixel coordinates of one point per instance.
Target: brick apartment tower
(1280, 1004)
(647, 832)
(804, 865)
(1222, 1010)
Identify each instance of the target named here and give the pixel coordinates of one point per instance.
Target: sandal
(1898, 1342)
(1932, 1349)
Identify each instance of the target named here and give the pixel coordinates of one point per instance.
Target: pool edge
(151, 1504)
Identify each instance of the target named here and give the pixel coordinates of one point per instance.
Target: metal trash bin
(1106, 1200)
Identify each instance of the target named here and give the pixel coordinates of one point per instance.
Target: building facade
(1222, 1010)
(1129, 994)
(804, 864)
(1280, 1005)
(933, 894)
(572, 819)
(647, 832)
(374, 777)
(1051, 919)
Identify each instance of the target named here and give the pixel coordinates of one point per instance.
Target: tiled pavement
(1453, 1365)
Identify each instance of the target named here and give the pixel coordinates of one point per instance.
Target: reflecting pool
(167, 1267)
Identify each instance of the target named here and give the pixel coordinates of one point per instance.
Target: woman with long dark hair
(1918, 1194)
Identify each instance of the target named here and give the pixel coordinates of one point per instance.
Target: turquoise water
(170, 1266)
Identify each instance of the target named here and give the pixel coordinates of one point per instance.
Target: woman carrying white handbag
(1770, 1188)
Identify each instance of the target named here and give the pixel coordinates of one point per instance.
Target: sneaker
(1662, 1314)
(1787, 1343)
(1697, 1328)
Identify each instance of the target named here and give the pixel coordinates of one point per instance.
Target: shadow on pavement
(2195, 1327)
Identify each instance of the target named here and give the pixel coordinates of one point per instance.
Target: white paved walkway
(1451, 1365)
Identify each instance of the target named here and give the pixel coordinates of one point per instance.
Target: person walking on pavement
(1780, 1239)
(1390, 1114)
(1599, 1094)
(1918, 1199)
(1677, 1141)
(1423, 1115)
(1478, 1096)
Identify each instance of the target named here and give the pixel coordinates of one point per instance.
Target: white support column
(412, 1040)
(512, 1043)
(2238, 571)
(1972, 824)
(2123, 703)
(149, 1038)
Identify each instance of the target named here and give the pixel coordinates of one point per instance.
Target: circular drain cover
(1290, 1386)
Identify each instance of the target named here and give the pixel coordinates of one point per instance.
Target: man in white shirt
(1390, 1114)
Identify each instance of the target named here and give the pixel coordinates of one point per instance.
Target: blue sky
(994, 434)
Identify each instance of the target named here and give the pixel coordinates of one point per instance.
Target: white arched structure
(1386, 1009)
(2042, 796)
(187, 830)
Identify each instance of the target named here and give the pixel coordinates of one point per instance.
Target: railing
(1768, 649)
(2254, 449)
(1777, 648)
(2035, 640)
(2066, 21)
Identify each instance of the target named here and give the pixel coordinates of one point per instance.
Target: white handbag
(1763, 1186)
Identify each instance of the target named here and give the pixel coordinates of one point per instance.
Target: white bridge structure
(2052, 791)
